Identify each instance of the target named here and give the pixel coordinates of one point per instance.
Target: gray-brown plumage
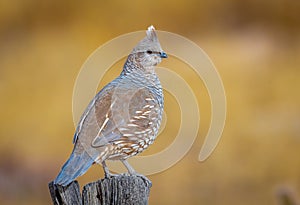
(123, 118)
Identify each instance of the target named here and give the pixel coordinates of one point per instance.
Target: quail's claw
(110, 175)
(144, 178)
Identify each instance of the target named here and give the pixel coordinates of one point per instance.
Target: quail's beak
(163, 55)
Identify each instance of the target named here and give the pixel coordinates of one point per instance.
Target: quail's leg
(128, 167)
(107, 174)
(133, 172)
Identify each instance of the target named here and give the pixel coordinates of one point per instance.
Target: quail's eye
(149, 52)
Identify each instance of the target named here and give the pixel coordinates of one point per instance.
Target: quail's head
(148, 52)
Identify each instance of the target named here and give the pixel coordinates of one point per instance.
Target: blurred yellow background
(255, 46)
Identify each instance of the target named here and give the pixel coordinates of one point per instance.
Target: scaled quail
(123, 118)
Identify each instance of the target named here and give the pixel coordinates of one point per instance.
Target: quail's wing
(115, 114)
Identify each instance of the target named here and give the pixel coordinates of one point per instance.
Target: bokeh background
(255, 46)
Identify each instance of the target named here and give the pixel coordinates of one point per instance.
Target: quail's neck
(137, 71)
(142, 75)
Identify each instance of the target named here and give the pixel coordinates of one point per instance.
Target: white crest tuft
(151, 28)
(151, 33)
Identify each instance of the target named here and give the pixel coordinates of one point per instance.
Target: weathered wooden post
(121, 189)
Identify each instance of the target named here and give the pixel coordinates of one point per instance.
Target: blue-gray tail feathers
(77, 165)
